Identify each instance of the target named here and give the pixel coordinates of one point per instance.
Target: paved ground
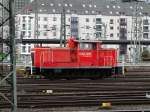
(87, 109)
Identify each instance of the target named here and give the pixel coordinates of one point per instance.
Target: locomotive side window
(87, 46)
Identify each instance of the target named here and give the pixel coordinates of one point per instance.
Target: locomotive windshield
(87, 46)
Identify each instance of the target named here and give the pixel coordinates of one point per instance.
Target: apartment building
(85, 19)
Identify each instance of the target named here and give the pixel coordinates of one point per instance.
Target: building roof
(89, 7)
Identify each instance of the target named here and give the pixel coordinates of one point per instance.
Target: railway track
(61, 102)
(133, 88)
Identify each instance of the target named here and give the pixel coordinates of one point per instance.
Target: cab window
(87, 46)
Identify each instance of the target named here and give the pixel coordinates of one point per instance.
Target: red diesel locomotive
(80, 58)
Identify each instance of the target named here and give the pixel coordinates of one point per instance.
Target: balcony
(98, 22)
(145, 22)
(145, 30)
(145, 36)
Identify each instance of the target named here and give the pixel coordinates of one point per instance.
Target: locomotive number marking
(87, 54)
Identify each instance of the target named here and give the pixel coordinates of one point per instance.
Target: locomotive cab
(83, 44)
(87, 52)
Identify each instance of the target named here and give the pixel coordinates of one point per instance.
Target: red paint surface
(73, 56)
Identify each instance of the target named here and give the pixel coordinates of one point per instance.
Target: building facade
(110, 20)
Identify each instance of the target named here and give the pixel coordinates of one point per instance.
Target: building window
(94, 20)
(118, 7)
(93, 12)
(98, 34)
(51, 4)
(118, 28)
(45, 18)
(145, 35)
(86, 11)
(45, 33)
(54, 19)
(54, 34)
(38, 33)
(144, 48)
(118, 20)
(131, 7)
(23, 49)
(87, 27)
(123, 22)
(29, 27)
(145, 29)
(140, 13)
(68, 26)
(145, 22)
(29, 34)
(117, 12)
(45, 26)
(23, 33)
(59, 5)
(87, 19)
(54, 27)
(38, 25)
(38, 18)
(69, 19)
(117, 34)
(70, 5)
(29, 20)
(98, 20)
(98, 28)
(111, 21)
(107, 6)
(24, 19)
(29, 49)
(66, 5)
(122, 13)
(111, 27)
(88, 34)
(90, 5)
(68, 10)
(54, 10)
(23, 26)
(111, 35)
(40, 10)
